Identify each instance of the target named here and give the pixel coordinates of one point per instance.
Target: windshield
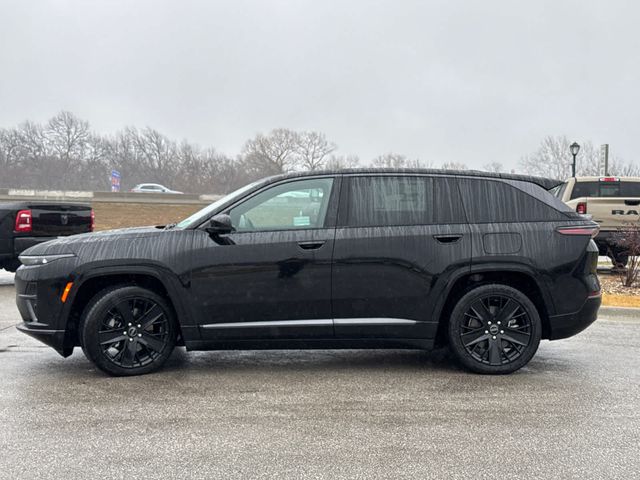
(206, 211)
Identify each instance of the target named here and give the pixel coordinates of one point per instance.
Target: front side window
(301, 204)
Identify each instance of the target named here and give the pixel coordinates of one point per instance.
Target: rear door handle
(311, 245)
(447, 238)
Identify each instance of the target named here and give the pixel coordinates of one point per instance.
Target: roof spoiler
(546, 183)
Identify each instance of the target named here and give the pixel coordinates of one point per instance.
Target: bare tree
(627, 239)
(313, 148)
(273, 153)
(390, 160)
(454, 166)
(67, 136)
(553, 159)
(493, 167)
(338, 162)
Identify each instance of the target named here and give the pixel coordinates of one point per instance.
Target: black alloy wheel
(128, 331)
(494, 329)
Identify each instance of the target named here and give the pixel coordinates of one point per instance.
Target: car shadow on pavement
(310, 360)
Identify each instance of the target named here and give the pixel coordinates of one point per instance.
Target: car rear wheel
(128, 330)
(494, 329)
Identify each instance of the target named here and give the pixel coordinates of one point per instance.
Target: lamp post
(575, 148)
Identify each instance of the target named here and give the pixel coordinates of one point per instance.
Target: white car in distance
(152, 188)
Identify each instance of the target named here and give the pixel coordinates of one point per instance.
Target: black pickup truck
(24, 224)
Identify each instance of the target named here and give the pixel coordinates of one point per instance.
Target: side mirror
(220, 224)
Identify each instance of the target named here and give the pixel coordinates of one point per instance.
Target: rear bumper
(563, 326)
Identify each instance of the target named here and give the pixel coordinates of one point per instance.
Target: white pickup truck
(613, 202)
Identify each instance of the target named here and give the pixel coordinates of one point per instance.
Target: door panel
(383, 277)
(264, 277)
(397, 236)
(271, 278)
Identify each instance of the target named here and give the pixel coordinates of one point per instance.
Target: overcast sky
(465, 81)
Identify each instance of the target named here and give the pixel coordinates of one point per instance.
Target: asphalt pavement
(573, 412)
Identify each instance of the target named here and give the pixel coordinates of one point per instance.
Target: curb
(626, 312)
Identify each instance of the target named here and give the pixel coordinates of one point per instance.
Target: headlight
(29, 260)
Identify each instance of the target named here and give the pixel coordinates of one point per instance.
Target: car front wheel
(128, 330)
(494, 329)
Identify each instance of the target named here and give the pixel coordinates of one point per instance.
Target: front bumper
(53, 338)
(563, 326)
(44, 317)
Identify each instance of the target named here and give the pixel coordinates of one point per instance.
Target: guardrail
(13, 194)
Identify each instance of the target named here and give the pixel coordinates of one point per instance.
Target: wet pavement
(573, 412)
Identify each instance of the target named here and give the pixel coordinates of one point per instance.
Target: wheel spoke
(516, 337)
(494, 352)
(150, 317)
(507, 311)
(478, 307)
(111, 336)
(124, 309)
(151, 342)
(475, 336)
(128, 353)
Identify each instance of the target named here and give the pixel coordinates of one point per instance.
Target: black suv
(488, 263)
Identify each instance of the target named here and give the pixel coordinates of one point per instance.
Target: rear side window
(402, 200)
(606, 189)
(489, 201)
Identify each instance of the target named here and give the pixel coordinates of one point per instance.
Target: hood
(74, 243)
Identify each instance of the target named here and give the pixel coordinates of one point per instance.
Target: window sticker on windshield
(301, 221)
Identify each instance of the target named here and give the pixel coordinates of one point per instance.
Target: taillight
(581, 208)
(93, 220)
(609, 179)
(590, 230)
(23, 221)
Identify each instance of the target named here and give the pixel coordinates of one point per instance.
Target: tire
(113, 339)
(494, 329)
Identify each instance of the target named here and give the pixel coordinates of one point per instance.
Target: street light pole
(574, 148)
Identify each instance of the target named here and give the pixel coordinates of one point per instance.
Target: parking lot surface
(573, 412)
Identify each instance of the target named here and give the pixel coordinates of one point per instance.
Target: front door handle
(311, 244)
(448, 238)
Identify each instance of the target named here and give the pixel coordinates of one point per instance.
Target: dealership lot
(573, 412)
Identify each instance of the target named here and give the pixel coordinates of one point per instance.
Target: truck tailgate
(60, 219)
(612, 212)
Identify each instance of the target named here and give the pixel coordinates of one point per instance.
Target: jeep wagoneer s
(489, 264)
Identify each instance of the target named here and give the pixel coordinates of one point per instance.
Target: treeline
(65, 154)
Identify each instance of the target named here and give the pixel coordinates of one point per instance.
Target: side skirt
(312, 344)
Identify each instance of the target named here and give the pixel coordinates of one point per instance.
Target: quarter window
(489, 201)
(290, 206)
